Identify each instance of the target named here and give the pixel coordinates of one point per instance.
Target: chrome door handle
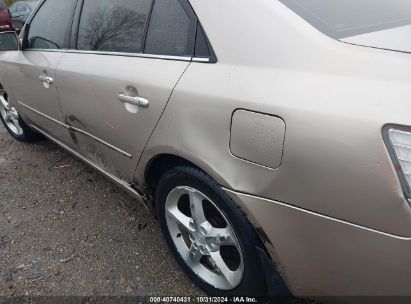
(137, 101)
(46, 79)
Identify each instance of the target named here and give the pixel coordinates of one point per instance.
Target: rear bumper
(322, 256)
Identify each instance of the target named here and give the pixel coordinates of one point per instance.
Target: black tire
(253, 281)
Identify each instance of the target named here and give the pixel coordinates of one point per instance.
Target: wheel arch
(152, 166)
(158, 164)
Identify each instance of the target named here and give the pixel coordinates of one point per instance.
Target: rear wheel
(12, 121)
(208, 234)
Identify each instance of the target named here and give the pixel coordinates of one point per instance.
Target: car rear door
(32, 72)
(114, 84)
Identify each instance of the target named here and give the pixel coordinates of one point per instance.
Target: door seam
(160, 117)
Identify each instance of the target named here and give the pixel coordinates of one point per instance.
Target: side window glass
(170, 31)
(51, 24)
(113, 26)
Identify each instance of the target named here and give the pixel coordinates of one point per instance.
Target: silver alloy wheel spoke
(205, 240)
(7, 117)
(15, 122)
(4, 102)
(195, 253)
(225, 236)
(197, 210)
(230, 277)
(10, 115)
(180, 218)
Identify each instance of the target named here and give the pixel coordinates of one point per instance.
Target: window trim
(147, 26)
(200, 34)
(75, 25)
(141, 55)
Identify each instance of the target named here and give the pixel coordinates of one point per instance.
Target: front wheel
(12, 121)
(209, 235)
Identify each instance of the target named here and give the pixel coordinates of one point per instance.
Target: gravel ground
(65, 230)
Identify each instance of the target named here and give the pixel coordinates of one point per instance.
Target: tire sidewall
(253, 282)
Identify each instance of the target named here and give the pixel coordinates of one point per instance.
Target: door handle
(137, 101)
(46, 79)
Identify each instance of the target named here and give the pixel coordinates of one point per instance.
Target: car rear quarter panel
(335, 99)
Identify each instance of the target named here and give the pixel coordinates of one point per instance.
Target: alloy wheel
(204, 238)
(9, 114)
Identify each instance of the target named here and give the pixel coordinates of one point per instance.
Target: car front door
(115, 83)
(32, 72)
